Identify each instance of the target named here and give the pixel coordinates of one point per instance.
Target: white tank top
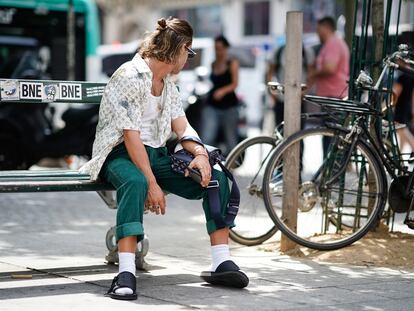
(152, 109)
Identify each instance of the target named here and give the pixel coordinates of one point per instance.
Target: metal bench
(58, 180)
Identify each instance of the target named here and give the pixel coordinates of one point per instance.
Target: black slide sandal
(227, 274)
(124, 279)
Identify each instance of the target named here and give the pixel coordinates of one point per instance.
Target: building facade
(247, 21)
(254, 28)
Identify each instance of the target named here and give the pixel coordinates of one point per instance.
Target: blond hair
(165, 42)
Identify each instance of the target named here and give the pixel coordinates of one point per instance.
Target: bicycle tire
(242, 233)
(314, 241)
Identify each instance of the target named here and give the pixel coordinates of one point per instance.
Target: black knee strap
(180, 161)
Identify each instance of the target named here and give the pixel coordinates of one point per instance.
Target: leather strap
(214, 194)
(214, 201)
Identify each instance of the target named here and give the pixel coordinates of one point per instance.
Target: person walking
(403, 98)
(140, 108)
(221, 109)
(331, 74)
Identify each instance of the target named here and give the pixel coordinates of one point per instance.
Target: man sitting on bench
(140, 108)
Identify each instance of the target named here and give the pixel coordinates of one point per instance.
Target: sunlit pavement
(55, 243)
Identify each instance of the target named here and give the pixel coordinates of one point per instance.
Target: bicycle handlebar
(406, 69)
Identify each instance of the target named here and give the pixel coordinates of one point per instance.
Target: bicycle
(341, 194)
(247, 162)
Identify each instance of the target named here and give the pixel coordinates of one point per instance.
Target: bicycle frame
(363, 112)
(358, 143)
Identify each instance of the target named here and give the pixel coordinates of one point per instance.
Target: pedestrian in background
(331, 72)
(403, 98)
(221, 110)
(332, 63)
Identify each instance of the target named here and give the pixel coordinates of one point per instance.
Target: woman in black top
(221, 110)
(403, 89)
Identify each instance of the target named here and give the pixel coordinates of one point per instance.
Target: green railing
(362, 58)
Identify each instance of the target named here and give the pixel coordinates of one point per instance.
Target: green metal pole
(71, 48)
(351, 94)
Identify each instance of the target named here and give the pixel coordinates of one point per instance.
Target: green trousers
(131, 188)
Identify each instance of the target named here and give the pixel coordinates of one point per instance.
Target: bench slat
(52, 186)
(42, 173)
(43, 178)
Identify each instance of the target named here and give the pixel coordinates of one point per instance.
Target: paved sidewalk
(58, 239)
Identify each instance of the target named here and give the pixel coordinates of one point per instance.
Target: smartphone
(194, 174)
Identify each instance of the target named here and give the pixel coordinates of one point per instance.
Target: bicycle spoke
(247, 163)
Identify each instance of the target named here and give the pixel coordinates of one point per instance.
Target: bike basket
(341, 105)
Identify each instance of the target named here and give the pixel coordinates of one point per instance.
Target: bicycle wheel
(247, 162)
(332, 212)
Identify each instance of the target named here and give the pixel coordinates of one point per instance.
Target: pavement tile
(246, 303)
(88, 301)
(382, 305)
(389, 289)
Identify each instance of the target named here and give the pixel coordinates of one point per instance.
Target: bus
(39, 27)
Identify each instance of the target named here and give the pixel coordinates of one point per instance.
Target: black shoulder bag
(180, 161)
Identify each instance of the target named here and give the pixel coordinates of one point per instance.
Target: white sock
(126, 263)
(219, 254)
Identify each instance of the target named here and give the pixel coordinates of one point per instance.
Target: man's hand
(182, 128)
(203, 165)
(155, 198)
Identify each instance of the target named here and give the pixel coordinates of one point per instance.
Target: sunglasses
(191, 52)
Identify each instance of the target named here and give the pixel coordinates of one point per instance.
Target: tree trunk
(378, 33)
(378, 40)
(349, 21)
(293, 78)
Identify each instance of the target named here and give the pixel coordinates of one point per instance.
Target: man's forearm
(194, 148)
(182, 128)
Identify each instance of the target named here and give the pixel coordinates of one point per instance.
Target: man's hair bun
(164, 44)
(162, 23)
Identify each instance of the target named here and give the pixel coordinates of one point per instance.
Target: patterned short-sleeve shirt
(122, 107)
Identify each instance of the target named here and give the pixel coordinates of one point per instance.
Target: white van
(112, 56)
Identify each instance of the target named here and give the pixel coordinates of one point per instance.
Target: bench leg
(108, 198)
(141, 252)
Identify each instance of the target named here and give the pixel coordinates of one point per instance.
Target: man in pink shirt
(332, 64)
